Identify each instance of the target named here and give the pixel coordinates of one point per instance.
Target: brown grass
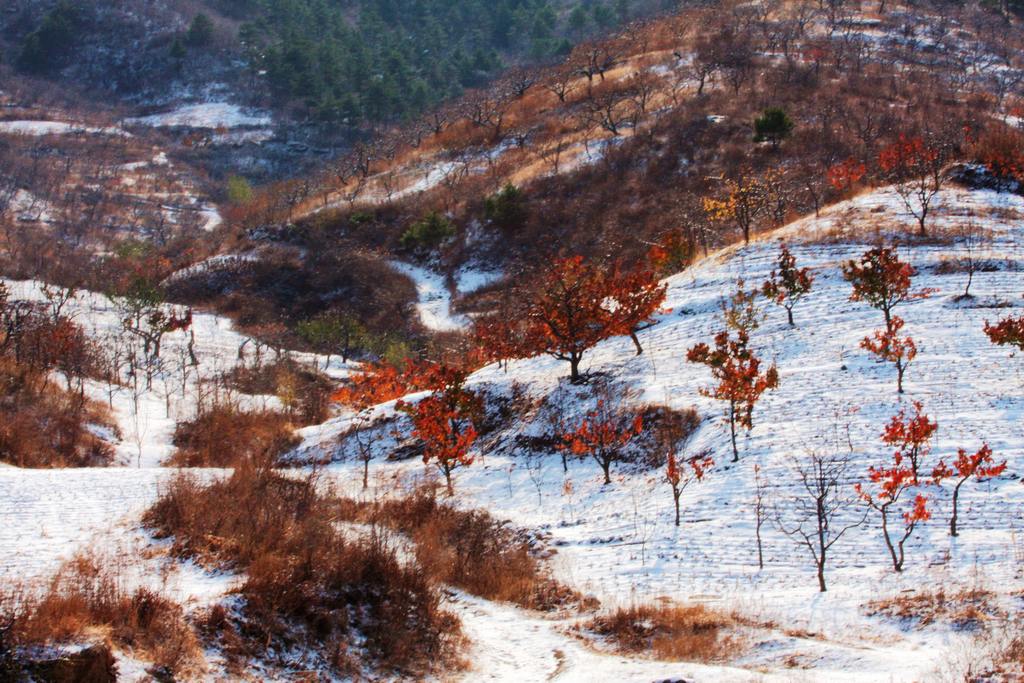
(693, 633)
(86, 601)
(224, 436)
(43, 425)
(472, 550)
(306, 582)
(965, 609)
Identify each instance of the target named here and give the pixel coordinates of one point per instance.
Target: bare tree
(816, 517)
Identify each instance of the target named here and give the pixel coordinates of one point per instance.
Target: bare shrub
(86, 600)
(472, 550)
(224, 435)
(43, 425)
(306, 582)
(965, 609)
(695, 633)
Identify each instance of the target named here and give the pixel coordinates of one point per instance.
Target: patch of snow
(209, 115)
(40, 128)
(434, 305)
(469, 280)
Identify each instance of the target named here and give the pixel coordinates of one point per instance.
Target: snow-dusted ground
(210, 115)
(619, 541)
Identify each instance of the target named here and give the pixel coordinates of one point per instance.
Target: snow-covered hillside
(619, 541)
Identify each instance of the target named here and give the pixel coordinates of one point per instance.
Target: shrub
(671, 632)
(966, 608)
(470, 549)
(224, 436)
(428, 232)
(86, 598)
(773, 125)
(42, 425)
(307, 582)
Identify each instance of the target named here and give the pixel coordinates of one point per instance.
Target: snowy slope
(619, 542)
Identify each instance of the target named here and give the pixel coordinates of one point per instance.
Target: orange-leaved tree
(382, 381)
(890, 484)
(882, 280)
(567, 313)
(978, 465)
(915, 167)
(788, 284)
(694, 468)
(1007, 332)
(846, 174)
(636, 295)
(445, 421)
(570, 309)
(911, 435)
(740, 379)
(604, 434)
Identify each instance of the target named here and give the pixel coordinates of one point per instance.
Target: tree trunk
(675, 495)
(822, 547)
(606, 467)
(897, 564)
(366, 474)
(760, 549)
(899, 376)
(952, 519)
(574, 368)
(448, 482)
(636, 342)
(789, 312)
(732, 431)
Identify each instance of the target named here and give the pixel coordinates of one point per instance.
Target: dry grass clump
(471, 550)
(43, 425)
(692, 633)
(224, 435)
(86, 602)
(304, 392)
(964, 609)
(350, 601)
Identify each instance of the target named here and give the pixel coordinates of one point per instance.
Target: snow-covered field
(618, 542)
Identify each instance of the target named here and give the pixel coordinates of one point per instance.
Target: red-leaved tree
(604, 434)
(445, 421)
(788, 284)
(889, 485)
(740, 379)
(979, 466)
(889, 346)
(636, 297)
(1007, 332)
(567, 313)
(911, 436)
(915, 168)
(846, 174)
(574, 306)
(694, 468)
(882, 280)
